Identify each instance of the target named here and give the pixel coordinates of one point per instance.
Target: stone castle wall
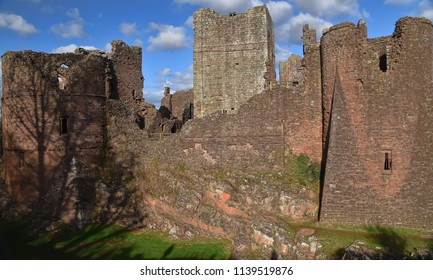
(377, 119)
(53, 112)
(233, 59)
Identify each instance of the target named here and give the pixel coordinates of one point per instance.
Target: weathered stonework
(54, 112)
(290, 71)
(233, 59)
(360, 106)
(378, 125)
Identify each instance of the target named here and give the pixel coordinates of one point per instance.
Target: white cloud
(176, 80)
(128, 28)
(138, 42)
(399, 2)
(425, 9)
(279, 10)
(190, 21)
(16, 23)
(169, 37)
(224, 6)
(71, 48)
(165, 72)
(108, 47)
(329, 8)
(153, 96)
(291, 31)
(74, 28)
(74, 14)
(281, 54)
(183, 81)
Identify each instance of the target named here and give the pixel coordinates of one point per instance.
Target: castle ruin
(359, 106)
(233, 59)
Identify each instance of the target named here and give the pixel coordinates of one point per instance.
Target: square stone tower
(233, 59)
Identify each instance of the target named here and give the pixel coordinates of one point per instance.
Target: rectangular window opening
(387, 165)
(64, 125)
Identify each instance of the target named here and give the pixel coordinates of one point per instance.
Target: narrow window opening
(383, 63)
(388, 162)
(64, 125)
(233, 109)
(295, 83)
(224, 111)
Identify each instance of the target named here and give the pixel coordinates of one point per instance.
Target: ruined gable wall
(35, 100)
(182, 105)
(127, 63)
(127, 88)
(378, 106)
(233, 59)
(290, 70)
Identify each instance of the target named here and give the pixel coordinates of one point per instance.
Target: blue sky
(164, 27)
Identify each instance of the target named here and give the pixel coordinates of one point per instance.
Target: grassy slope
(105, 242)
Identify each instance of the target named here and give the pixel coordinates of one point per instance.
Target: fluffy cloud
(108, 47)
(16, 23)
(425, 9)
(190, 21)
(329, 8)
(399, 2)
(281, 54)
(291, 32)
(169, 37)
(128, 28)
(71, 48)
(138, 42)
(73, 28)
(279, 10)
(223, 6)
(177, 80)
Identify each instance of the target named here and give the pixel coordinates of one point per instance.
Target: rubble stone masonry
(378, 125)
(233, 59)
(360, 106)
(53, 112)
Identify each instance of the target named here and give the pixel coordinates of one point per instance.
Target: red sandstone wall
(36, 153)
(375, 109)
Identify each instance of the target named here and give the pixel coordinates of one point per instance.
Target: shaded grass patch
(105, 242)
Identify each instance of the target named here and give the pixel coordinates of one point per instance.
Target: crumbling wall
(233, 59)
(378, 114)
(183, 105)
(52, 113)
(290, 73)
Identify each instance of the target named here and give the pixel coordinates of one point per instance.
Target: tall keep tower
(233, 59)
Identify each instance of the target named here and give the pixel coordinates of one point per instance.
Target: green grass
(105, 242)
(336, 238)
